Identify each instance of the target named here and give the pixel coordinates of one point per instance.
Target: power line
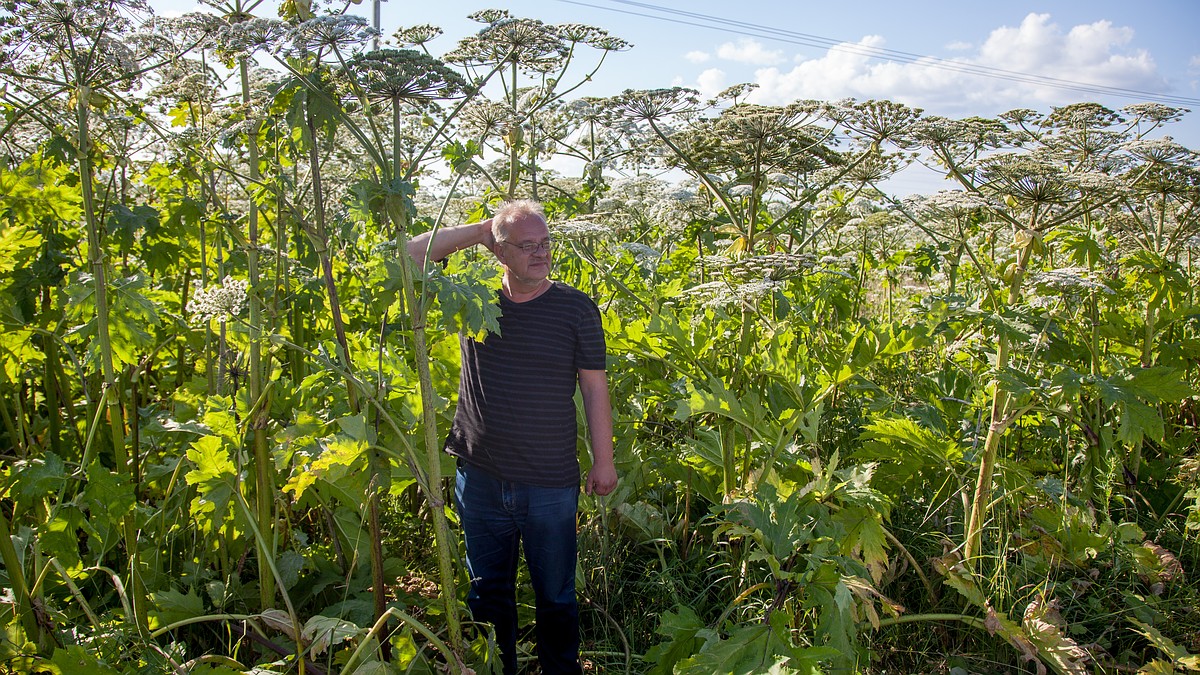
(808, 40)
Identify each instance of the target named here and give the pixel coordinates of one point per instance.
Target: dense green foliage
(856, 433)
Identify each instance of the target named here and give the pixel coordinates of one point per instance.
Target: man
(514, 433)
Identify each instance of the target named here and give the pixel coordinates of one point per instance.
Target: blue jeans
(497, 518)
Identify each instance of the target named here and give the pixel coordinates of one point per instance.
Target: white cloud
(697, 56)
(959, 46)
(1096, 53)
(711, 82)
(750, 51)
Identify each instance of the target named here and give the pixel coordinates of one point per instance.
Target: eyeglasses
(532, 248)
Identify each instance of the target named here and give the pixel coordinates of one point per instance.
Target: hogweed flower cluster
(948, 204)
(328, 33)
(484, 118)
(1092, 116)
(416, 35)
(727, 294)
(657, 104)
(1160, 151)
(220, 303)
(1030, 180)
(1069, 280)
(234, 40)
(773, 266)
(528, 43)
(645, 256)
(581, 228)
(405, 75)
(1154, 112)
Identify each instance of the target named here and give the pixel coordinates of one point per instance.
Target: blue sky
(871, 49)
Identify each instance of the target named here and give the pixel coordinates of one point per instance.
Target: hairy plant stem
(435, 494)
(433, 450)
(116, 422)
(514, 142)
(1000, 419)
(320, 241)
(264, 465)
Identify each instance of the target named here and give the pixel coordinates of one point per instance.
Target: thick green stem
(321, 242)
(16, 580)
(514, 142)
(116, 422)
(264, 463)
(972, 621)
(432, 485)
(1000, 419)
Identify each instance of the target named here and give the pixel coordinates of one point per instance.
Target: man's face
(529, 232)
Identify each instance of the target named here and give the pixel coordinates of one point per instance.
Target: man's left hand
(601, 480)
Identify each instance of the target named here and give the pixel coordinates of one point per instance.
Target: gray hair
(512, 211)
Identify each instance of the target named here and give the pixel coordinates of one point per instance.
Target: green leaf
(290, 564)
(1134, 392)
(1081, 248)
(18, 244)
(459, 155)
(374, 668)
(644, 519)
(865, 536)
(108, 500)
(59, 537)
(680, 628)
(125, 225)
(215, 478)
(340, 461)
(38, 478)
(18, 352)
(1139, 421)
(714, 398)
(1179, 656)
(75, 660)
(131, 316)
(1158, 384)
(355, 426)
(322, 632)
(171, 606)
(1157, 667)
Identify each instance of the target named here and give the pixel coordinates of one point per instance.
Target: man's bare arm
(593, 385)
(447, 240)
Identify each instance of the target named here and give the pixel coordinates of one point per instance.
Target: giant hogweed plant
(1059, 215)
(1054, 298)
(339, 89)
(81, 61)
(1073, 177)
(514, 47)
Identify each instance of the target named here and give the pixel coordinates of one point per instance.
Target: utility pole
(375, 5)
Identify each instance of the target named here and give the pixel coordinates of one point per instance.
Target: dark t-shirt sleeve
(590, 348)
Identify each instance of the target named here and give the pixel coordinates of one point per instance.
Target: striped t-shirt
(516, 406)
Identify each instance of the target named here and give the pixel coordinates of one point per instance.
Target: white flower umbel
(1069, 280)
(221, 303)
(580, 228)
(645, 256)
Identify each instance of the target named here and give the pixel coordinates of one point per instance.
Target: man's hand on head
(489, 239)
